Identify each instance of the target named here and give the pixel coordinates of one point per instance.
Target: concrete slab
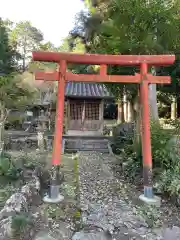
(156, 201)
(47, 199)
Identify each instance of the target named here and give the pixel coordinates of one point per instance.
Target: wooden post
(146, 137)
(58, 145)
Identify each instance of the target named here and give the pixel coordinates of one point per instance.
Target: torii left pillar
(54, 194)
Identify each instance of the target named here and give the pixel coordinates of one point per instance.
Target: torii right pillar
(148, 196)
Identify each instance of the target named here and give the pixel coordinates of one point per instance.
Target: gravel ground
(107, 213)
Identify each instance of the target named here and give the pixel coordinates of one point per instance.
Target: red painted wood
(103, 59)
(146, 135)
(57, 145)
(102, 78)
(103, 70)
(88, 77)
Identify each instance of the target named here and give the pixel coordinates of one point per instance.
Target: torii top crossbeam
(97, 59)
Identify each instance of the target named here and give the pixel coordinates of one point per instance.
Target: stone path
(107, 211)
(106, 214)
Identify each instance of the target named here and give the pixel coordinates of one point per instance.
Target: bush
(166, 160)
(122, 137)
(8, 168)
(161, 154)
(20, 222)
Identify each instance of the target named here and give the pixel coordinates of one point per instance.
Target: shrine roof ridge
(87, 90)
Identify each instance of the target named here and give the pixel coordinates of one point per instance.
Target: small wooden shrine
(85, 108)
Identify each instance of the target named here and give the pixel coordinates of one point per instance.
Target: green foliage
(20, 222)
(55, 212)
(12, 173)
(122, 137)
(28, 38)
(166, 160)
(151, 214)
(159, 142)
(8, 54)
(13, 93)
(4, 195)
(132, 27)
(4, 165)
(8, 168)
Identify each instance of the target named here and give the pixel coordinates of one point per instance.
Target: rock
(31, 189)
(16, 203)
(122, 134)
(173, 233)
(61, 232)
(123, 129)
(6, 231)
(43, 235)
(91, 236)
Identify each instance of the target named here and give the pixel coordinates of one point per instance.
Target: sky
(54, 18)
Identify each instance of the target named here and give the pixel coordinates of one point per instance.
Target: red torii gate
(144, 61)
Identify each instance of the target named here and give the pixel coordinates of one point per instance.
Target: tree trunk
(1, 138)
(130, 112)
(3, 115)
(174, 108)
(137, 127)
(120, 111)
(125, 108)
(153, 108)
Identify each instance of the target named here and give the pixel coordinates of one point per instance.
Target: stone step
(86, 150)
(87, 145)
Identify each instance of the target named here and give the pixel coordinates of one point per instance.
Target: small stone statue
(42, 139)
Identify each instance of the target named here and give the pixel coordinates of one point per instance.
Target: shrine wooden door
(84, 115)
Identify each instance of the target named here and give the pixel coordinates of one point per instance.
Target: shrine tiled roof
(87, 90)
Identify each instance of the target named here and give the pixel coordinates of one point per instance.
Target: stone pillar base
(156, 201)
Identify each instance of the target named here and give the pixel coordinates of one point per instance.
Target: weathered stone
(123, 129)
(16, 203)
(44, 235)
(173, 233)
(91, 236)
(31, 189)
(61, 231)
(6, 231)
